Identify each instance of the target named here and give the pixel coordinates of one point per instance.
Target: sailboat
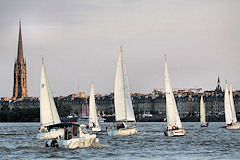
(174, 125)
(48, 111)
(203, 113)
(230, 114)
(123, 104)
(93, 119)
(57, 134)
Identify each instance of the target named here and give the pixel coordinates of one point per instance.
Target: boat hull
(204, 125)
(235, 126)
(53, 134)
(95, 129)
(123, 132)
(177, 132)
(82, 142)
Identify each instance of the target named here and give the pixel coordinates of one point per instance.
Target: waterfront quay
(147, 107)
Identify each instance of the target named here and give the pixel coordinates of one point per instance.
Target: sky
(80, 41)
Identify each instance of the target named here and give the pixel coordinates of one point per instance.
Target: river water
(18, 141)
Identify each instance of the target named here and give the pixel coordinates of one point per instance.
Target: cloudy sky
(80, 42)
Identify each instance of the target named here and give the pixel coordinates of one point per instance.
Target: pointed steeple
(20, 71)
(218, 88)
(20, 46)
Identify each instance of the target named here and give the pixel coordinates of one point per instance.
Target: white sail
(48, 111)
(227, 106)
(202, 111)
(93, 119)
(122, 99)
(173, 118)
(234, 117)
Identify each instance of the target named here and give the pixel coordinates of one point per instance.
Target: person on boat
(122, 125)
(74, 131)
(175, 128)
(108, 128)
(229, 125)
(94, 125)
(165, 119)
(69, 130)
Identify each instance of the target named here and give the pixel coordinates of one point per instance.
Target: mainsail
(173, 118)
(48, 111)
(122, 99)
(202, 111)
(93, 119)
(234, 118)
(227, 106)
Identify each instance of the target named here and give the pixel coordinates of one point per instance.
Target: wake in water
(99, 146)
(141, 134)
(10, 134)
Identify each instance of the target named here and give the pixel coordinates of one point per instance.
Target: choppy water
(18, 141)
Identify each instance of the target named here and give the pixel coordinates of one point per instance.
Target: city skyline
(80, 42)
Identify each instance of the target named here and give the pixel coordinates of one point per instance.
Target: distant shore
(33, 115)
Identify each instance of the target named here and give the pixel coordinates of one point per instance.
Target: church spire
(218, 88)
(20, 46)
(20, 71)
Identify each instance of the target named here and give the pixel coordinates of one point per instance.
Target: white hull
(235, 126)
(123, 132)
(82, 142)
(177, 132)
(50, 135)
(95, 129)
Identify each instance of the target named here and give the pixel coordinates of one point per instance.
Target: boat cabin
(71, 130)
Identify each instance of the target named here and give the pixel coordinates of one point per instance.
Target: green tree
(5, 108)
(64, 109)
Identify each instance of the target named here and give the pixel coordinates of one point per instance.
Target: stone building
(29, 102)
(77, 102)
(20, 71)
(188, 103)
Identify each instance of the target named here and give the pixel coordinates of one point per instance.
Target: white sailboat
(174, 125)
(203, 113)
(124, 113)
(93, 119)
(230, 114)
(48, 111)
(57, 134)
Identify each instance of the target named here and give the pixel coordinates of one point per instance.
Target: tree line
(29, 114)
